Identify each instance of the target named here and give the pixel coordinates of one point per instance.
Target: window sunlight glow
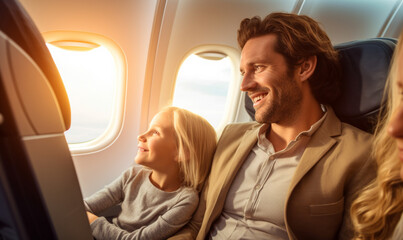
(202, 87)
(90, 81)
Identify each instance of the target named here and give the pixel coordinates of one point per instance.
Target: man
(294, 174)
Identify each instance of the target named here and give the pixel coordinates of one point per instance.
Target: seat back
(365, 66)
(40, 197)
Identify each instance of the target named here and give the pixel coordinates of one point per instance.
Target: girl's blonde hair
(379, 207)
(197, 141)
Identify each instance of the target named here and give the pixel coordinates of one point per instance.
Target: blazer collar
(321, 141)
(245, 147)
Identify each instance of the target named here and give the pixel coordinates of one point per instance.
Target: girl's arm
(162, 228)
(109, 196)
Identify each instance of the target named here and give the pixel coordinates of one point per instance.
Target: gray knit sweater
(147, 212)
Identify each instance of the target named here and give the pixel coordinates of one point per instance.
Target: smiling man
(293, 173)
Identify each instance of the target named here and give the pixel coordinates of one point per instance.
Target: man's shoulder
(241, 127)
(233, 133)
(343, 131)
(350, 132)
(354, 142)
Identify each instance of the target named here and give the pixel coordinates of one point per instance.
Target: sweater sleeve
(164, 226)
(109, 196)
(191, 229)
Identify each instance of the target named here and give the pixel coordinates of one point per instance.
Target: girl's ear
(177, 158)
(182, 155)
(177, 155)
(307, 68)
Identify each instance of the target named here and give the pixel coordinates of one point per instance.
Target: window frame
(115, 125)
(234, 95)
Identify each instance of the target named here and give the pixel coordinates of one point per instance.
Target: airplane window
(202, 85)
(89, 74)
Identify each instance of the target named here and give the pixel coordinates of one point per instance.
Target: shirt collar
(264, 143)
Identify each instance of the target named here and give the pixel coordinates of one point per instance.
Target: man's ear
(307, 68)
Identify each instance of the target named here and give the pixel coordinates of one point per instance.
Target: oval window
(89, 77)
(202, 85)
(93, 72)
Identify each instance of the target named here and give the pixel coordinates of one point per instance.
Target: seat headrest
(19, 27)
(365, 66)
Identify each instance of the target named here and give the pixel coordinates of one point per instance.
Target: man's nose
(248, 82)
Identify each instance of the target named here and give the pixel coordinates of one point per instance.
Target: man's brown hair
(299, 37)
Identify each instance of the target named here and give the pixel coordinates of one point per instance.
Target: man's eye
(258, 68)
(156, 133)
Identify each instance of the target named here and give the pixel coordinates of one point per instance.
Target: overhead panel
(205, 21)
(395, 25)
(346, 20)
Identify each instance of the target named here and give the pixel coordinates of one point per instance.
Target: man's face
(275, 91)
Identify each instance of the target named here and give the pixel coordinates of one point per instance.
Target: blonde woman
(378, 209)
(159, 198)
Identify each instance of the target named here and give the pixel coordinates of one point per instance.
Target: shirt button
(271, 158)
(257, 187)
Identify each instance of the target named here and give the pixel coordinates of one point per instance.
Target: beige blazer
(336, 164)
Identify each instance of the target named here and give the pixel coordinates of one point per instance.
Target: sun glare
(90, 80)
(202, 87)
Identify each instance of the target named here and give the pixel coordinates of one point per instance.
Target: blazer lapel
(237, 158)
(321, 142)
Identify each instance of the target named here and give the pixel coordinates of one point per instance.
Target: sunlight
(202, 87)
(90, 79)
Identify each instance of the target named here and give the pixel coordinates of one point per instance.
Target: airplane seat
(40, 196)
(365, 66)
(18, 26)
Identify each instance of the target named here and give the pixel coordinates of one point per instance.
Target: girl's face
(157, 148)
(395, 127)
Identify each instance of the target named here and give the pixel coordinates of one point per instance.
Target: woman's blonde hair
(379, 207)
(197, 141)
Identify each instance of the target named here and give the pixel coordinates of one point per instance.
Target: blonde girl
(160, 197)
